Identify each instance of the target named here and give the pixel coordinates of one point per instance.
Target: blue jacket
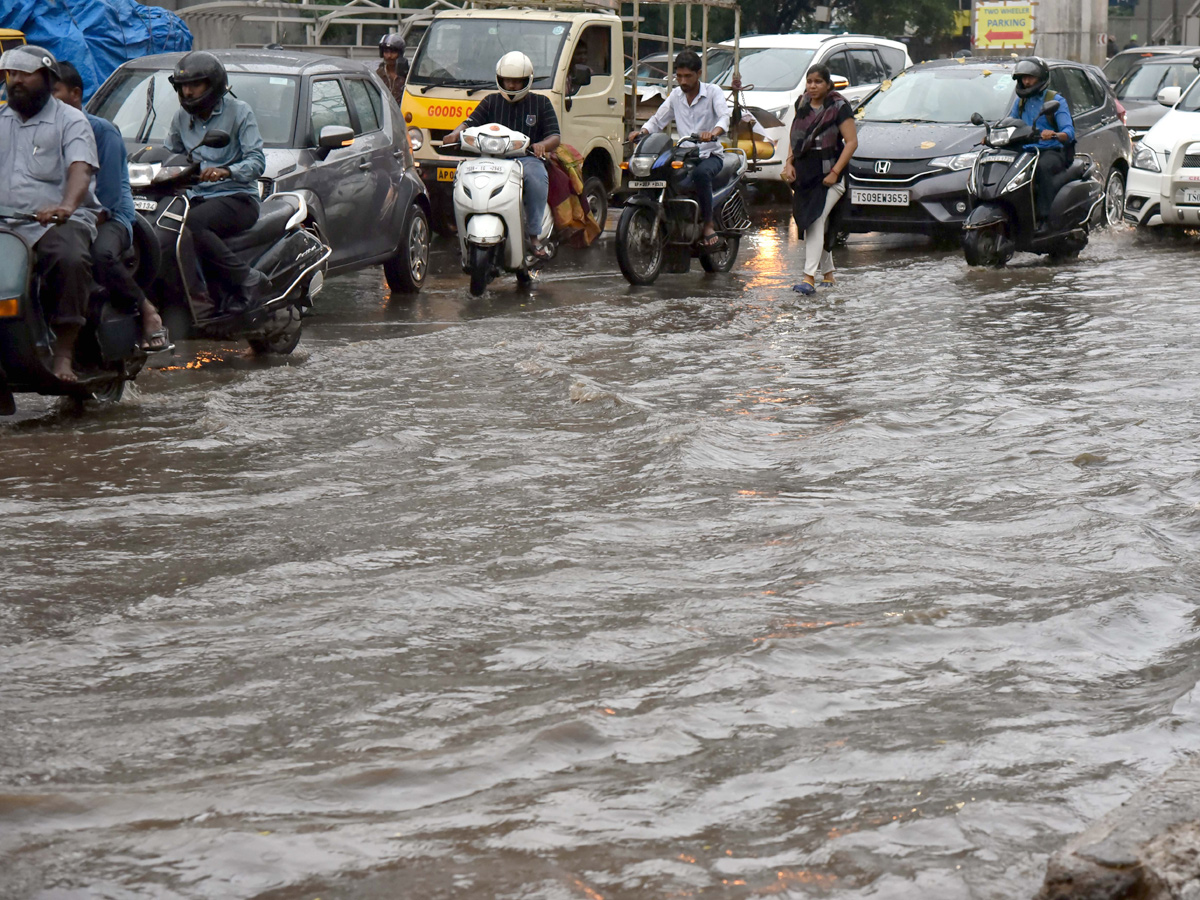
(243, 157)
(112, 178)
(1032, 115)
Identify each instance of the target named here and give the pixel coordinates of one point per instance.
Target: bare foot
(62, 370)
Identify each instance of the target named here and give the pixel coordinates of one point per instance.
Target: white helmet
(514, 64)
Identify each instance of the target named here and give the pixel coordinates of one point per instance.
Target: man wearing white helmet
(531, 114)
(48, 161)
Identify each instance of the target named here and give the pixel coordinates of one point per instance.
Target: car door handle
(365, 164)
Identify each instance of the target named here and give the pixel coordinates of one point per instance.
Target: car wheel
(406, 271)
(597, 200)
(1114, 200)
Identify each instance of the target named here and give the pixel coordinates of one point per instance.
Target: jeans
(537, 190)
(112, 240)
(701, 180)
(64, 262)
(816, 257)
(213, 218)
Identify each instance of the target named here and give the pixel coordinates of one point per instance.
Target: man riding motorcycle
(697, 108)
(47, 163)
(1032, 76)
(114, 226)
(225, 202)
(531, 114)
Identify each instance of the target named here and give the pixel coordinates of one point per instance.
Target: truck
(578, 55)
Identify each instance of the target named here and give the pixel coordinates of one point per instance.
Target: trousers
(212, 218)
(816, 257)
(701, 180)
(112, 240)
(536, 181)
(1051, 164)
(63, 259)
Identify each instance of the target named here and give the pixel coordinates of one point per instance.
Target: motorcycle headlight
(416, 139)
(955, 163)
(1000, 136)
(142, 174)
(169, 173)
(1147, 159)
(493, 146)
(641, 166)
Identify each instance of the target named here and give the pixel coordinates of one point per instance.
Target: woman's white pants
(816, 258)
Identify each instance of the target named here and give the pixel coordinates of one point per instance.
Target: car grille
(1191, 161)
(898, 169)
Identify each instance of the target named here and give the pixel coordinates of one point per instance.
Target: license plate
(145, 204)
(1189, 195)
(860, 197)
(445, 174)
(636, 185)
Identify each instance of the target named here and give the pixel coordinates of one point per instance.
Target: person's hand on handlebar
(539, 150)
(217, 173)
(635, 135)
(711, 135)
(54, 215)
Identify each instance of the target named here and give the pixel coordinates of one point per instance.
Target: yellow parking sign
(1004, 25)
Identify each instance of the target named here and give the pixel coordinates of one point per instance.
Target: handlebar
(9, 212)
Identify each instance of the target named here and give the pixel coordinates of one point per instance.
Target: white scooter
(489, 208)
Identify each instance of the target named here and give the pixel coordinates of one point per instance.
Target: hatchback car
(1150, 89)
(1164, 184)
(773, 69)
(367, 200)
(916, 143)
(1117, 67)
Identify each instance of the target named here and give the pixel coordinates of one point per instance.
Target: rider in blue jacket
(1032, 76)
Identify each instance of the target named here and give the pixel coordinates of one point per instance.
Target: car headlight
(142, 174)
(1147, 159)
(955, 163)
(416, 139)
(641, 165)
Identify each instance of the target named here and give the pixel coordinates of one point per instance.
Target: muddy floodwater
(701, 590)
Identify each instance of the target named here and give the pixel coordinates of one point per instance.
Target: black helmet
(391, 42)
(200, 66)
(1031, 65)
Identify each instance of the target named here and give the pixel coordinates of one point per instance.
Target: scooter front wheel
(641, 240)
(984, 246)
(479, 262)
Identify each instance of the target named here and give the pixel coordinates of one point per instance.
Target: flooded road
(700, 590)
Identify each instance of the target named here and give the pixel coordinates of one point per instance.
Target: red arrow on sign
(1005, 35)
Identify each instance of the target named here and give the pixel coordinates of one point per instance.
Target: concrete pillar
(1070, 29)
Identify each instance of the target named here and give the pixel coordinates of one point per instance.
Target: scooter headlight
(169, 173)
(142, 174)
(1147, 159)
(493, 146)
(640, 166)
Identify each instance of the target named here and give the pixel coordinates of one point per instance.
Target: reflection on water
(699, 590)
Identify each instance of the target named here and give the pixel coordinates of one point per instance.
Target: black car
(1139, 88)
(916, 144)
(367, 199)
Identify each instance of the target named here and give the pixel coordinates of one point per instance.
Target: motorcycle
(108, 351)
(489, 208)
(283, 245)
(1003, 218)
(661, 221)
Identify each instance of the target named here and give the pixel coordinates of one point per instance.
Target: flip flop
(157, 341)
(712, 241)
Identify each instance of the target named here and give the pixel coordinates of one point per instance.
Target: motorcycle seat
(1076, 171)
(728, 171)
(270, 227)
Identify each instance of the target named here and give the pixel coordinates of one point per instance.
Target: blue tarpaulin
(96, 35)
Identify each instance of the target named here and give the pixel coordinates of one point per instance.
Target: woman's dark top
(817, 143)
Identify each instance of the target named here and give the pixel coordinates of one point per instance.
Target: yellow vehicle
(455, 67)
(9, 38)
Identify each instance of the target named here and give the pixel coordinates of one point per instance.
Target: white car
(774, 67)
(1164, 183)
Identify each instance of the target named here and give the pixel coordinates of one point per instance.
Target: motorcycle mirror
(1050, 108)
(216, 139)
(976, 119)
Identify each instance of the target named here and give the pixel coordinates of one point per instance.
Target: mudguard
(485, 229)
(648, 202)
(986, 216)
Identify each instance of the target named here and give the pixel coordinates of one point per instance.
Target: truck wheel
(597, 199)
(479, 261)
(406, 271)
(641, 241)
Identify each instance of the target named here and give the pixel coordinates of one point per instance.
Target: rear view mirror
(976, 119)
(1169, 96)
(840, 82)
(334, 136)
(1051, 108)
(216, 139)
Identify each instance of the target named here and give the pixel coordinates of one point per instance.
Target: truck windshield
(141, 103)
(464, 52)
(945, 94)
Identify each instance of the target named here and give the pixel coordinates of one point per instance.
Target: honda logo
(883, 166)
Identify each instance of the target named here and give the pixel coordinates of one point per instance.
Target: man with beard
(47, 163)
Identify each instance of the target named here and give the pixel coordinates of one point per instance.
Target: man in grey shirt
(48, 162)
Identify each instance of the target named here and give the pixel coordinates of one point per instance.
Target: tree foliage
(927, 18)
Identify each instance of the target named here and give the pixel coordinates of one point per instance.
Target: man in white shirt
(697, 108)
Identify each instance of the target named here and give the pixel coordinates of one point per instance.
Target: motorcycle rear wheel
(479, 261)
(282, 335)
(722, 260)
(641, 241)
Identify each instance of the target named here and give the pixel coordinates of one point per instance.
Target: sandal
(804, 287)
(828, 283)
(538, 250)
(157, 341)
(711, 241)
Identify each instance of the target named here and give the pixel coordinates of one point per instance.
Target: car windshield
(141, 103)
(946, 94)
(1191, 100)
(464, 52)
(766, 68)
(1145, 82)
(1117, 67)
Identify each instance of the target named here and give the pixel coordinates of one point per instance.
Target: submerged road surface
(700, 590)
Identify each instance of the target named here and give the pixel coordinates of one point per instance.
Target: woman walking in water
(823, 139)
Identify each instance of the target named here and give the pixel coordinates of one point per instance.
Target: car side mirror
(840, 82)
(976, 119)
(1169, 96)
(581, 76)
(334, 136)
(1051, 108)
(216, 139)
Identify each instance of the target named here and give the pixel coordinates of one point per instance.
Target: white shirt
(708, 111)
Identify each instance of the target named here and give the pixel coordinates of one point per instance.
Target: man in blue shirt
(1032, 76)
(225, 202)
(114, 226)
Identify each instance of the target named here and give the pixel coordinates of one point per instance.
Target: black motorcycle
(284, 244)
(661, 221)
(1003, 217)
(108, 351)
